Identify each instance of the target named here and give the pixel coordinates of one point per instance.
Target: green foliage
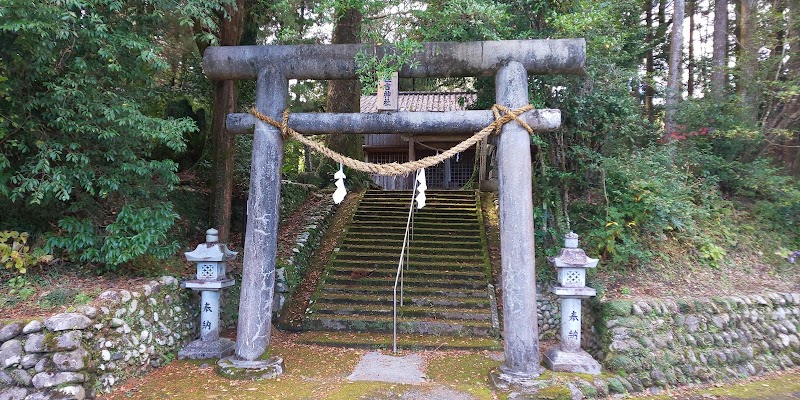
(83, 298)
(18, 286)
(650, 194)
(135, 232)
(371, 69)
(464, 20)
(76, 136)
(16, 255)
(292, 197)
(205, 15)
(712, 253)
(57, 297)
(293, 159)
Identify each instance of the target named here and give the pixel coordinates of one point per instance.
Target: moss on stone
(588, 391)
(684, 307)
(617, 308)
(615, 386)
(555, 392)
(50, 341)
(619, 362)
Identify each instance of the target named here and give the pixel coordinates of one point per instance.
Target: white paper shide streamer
(421, 187)
(340, 192)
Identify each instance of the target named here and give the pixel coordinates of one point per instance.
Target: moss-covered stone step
(431, 206)
(441, 264)
(401, 219)
(347, 271)
(455, 224)
(378, 229)
(404, 341)
(454, 209)
(417, 241)
(375, 246)
(360, 323)
(402, 208)
(364, 268)
(394, 234)
(412, 255)
(357, 289)
(417, 300)
(409, 282)
(363, 309)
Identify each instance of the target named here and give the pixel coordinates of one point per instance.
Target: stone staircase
(445, 284)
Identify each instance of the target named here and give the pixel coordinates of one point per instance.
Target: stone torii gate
(510, 62)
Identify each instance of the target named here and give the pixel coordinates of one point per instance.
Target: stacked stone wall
(289, 271)
(548, 312)
(87, 352)
(667, 343)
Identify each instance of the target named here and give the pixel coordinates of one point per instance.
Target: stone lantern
(571, 263)
(211, 258)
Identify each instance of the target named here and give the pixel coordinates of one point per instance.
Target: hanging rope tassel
(341, 191)
(422, 185)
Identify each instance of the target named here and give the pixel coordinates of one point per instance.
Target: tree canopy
(98, 98)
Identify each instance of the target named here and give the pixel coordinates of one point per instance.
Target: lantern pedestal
(202, 349)
(579, 362)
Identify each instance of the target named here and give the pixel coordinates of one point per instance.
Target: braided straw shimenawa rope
(502, 115)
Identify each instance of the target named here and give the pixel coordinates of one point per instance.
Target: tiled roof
(425, 101)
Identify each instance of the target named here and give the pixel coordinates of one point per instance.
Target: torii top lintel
(436, 59)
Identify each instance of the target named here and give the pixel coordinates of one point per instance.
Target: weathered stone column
(260, 243)
(520, 331)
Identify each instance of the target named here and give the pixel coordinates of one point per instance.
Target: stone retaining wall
(289, 271)
(667, 343)
(83, 353)
(548, 311)
(293, 195)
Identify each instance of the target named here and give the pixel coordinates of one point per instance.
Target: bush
(16, 255)
(78, 143)
(650, 193)
(292, 197)
(135, 232)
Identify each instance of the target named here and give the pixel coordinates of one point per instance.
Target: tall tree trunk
(719, 56)
(223, 97)
(782, 113)
(675, 56)
(691, 6)
(345, 95)
(747, 61)
(649, 91)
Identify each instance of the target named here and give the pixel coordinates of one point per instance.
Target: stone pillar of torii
(511, 62)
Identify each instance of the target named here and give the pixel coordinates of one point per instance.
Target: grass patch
(315, 362)
(770, 388)
(465, 372)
